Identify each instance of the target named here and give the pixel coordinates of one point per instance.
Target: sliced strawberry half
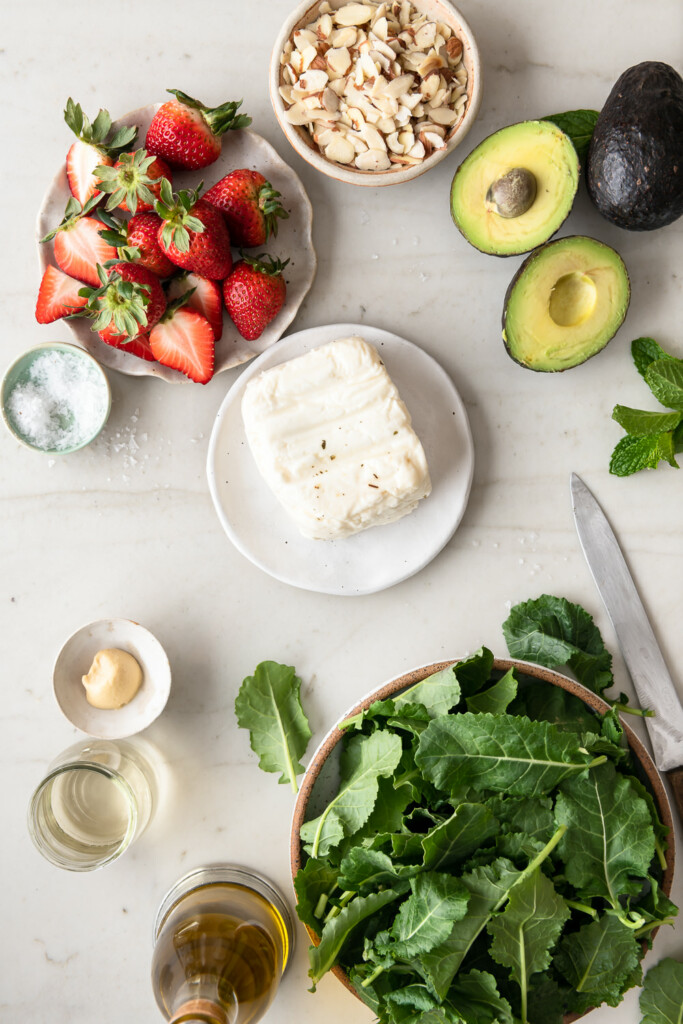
(78, 245)
(137, 346)
(95, 146)
(183, 339)
(206, 298)
(58, 296)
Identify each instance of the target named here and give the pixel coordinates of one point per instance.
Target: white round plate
(376, 558)
(294, 242)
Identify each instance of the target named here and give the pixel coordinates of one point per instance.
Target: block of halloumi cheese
(334, 441)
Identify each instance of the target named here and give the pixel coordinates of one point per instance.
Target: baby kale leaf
(598, 958)
(661, 1001)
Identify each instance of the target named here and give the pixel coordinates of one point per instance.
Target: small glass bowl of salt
(55, 398)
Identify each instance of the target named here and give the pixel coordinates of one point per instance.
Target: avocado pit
(512, 194)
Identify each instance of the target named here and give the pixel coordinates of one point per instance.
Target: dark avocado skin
(634, 170)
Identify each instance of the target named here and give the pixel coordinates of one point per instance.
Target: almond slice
(340, 151)
(339, 59)
(313, 81)
(373, 160)
(353, 14)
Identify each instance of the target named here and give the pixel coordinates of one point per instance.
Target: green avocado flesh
(567, 300)
(539, 147)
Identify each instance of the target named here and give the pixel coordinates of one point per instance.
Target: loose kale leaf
(496, 699)
(579, 125)
(502, 753)
(338, 929)
(661, 1001)
(475, 996)
(646, 351)
(533, 817)
(546, 1001)
(473, 673)
(598, 958)
(313, 884)
(469, 827)
(639, 423)
(524, 934)
(362, 869)
(364, 760)
(635, 453)
(609, 842)
(555, 632)
(665, 380)
(269, 706)
(426, 918)
(488, 887)
(381, 710)
(417, 997)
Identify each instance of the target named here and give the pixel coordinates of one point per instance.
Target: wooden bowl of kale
(482, 840)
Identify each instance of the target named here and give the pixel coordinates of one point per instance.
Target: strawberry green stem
(219, 119)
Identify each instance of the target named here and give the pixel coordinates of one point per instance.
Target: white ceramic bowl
(74, 660)
(302, 142)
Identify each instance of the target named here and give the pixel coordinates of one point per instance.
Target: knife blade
(641, 652)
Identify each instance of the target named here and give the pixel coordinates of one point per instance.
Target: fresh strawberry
(137, 346)
(187, 133)
(130, 298)
(78, 246)
(254, 294)
(206, 298)
(194, 235)
(58, 296)
(183, 339)
(134, 181)
(250, 205)
(138, 241)
(93, 148)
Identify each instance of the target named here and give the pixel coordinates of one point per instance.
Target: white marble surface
(126, 527)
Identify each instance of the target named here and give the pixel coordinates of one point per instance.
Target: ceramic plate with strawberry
(239, 149)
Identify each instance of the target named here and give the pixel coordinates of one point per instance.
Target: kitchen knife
(639, 647)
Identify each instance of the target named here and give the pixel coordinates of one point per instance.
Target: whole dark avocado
(635, 161)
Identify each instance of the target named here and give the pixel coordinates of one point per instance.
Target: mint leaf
(502, 753)
(642, 424)
(661, 1001)
(635, 453)
(496, 699)
(524, 934)
(552, 631)
(598, 958)
(665, 379)
(338, 929)
(363, 762)
(426, 918)
(579, 125)
(466, 830)
(609, 842)
(646, 351)
(269, 706)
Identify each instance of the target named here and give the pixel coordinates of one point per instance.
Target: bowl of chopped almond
(375, 93)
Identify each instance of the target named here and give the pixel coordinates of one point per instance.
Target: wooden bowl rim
(416, 675)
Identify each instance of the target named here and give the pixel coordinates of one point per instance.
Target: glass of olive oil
(223, 938)
(96, 798)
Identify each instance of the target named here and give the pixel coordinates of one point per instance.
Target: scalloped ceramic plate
(376, 558)
(240, 149)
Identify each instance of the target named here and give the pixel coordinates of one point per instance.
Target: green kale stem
(651, 925)
(320, 905)
(583, 907)
(372, 977)
(345, 898)
(626, 709)
(659, 850)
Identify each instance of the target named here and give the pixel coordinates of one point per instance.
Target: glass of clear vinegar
(96, 798)
(222, 940)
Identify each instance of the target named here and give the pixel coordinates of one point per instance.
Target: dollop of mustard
(113, 680)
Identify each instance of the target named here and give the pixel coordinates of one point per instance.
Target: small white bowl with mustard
(112, 678)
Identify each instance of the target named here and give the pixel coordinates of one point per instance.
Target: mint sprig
(651, 437)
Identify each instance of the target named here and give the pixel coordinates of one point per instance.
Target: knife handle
(675, 777)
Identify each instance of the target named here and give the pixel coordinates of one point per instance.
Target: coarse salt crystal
(61, 404)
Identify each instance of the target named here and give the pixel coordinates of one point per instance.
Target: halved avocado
(566, 301)
(490, 197)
